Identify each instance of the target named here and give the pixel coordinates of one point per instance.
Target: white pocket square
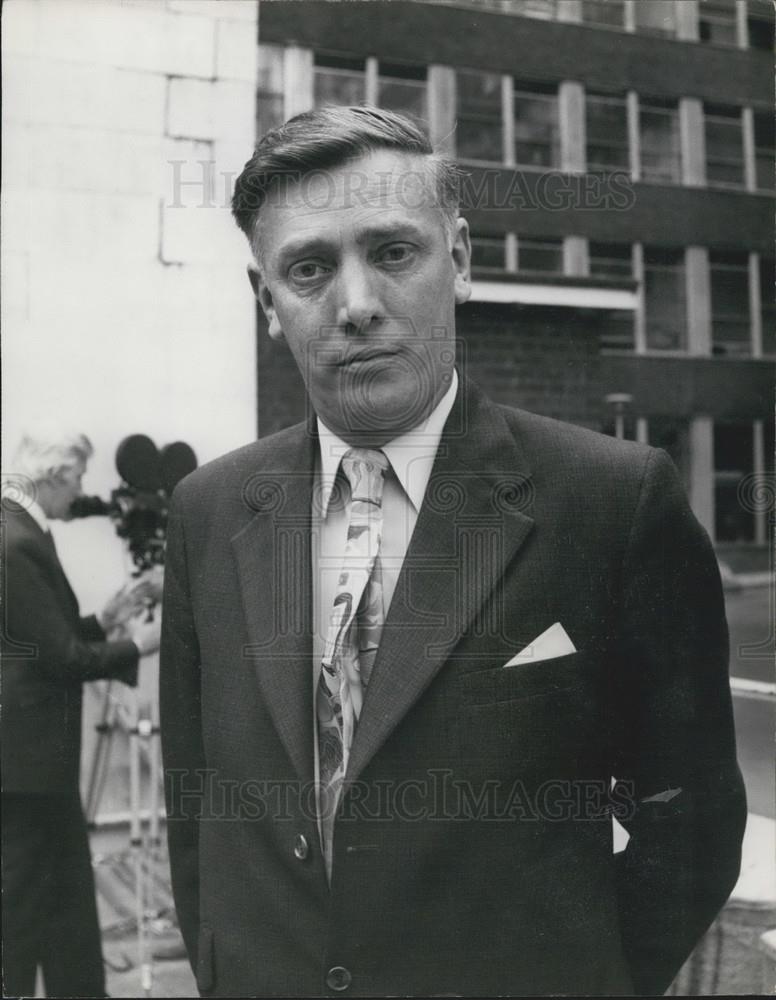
(549, 645)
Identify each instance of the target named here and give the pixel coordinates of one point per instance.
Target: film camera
(138, 507)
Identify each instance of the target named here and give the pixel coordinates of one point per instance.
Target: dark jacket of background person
(49, 908)
(49, 652)
(526, 522)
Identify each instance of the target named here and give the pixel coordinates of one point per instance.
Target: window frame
(538, 93)
(720, 115)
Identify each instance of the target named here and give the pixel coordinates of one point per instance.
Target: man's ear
(264, 297)
(462, 261)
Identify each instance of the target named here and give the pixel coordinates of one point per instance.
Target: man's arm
(64, 652)
(181, 730)
(678, 738)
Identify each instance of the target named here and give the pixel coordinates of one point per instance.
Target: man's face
(62, 490)
(360, 276)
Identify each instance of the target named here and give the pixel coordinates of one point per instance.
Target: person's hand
(144, 633)
(130, 600)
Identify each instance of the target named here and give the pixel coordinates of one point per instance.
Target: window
(338, 80)
(611, 260)
(724, 146)
(403, 88)
(479, 132)
(615, 328)
(269, 89)
(731, 334)
(605, 13)
(759, 24)
(665, 300)
(767, 308)
(717, 22)
(547, 10)
(733, 460)
(764, 150)
(660, 150)
(488, 252)
(537, 141)
(656, 17)
(607, 134)
(540, 253)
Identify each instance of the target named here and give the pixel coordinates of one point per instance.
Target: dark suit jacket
(467, 856)
(48, 652)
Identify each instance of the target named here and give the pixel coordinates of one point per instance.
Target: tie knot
(365, 469)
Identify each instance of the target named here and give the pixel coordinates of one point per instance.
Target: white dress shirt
(37, 513)
(411, 457)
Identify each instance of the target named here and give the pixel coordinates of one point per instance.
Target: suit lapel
(273, 560)
(470, 527)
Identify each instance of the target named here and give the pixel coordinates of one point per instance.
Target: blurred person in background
(49, 650)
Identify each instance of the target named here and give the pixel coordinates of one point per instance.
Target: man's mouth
(367, 354)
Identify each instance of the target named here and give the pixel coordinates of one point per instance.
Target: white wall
(124, 308)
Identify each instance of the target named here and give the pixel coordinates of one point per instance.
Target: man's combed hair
(44, 451)
(327, 138)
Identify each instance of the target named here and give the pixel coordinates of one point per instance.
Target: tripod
(140, 722)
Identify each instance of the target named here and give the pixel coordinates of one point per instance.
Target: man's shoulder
(21, 533)
(236, 469)
(550, 442)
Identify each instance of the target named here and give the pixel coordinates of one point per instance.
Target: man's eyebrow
(305, 245)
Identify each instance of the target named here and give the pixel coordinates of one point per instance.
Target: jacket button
(301, 847)
(338, 978)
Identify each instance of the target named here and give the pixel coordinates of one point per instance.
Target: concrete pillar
(576, 259)
(687, 20)
(630, 14)
(750, 156)
(508, 119)
(297, 81)
(698, 285)
(442, 108)
(639, 318)
(701, 489)
(510, 260)
(571, 114)
(742, 26)
(692, 139)
(755, 305)
(634, 134)
(371, 83)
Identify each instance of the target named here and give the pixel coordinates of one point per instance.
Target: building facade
(617, 160)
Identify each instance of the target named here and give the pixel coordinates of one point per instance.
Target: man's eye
(396, 253)
(307, 271)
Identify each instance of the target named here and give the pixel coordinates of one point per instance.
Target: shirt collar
(38, 515)
(411, 455)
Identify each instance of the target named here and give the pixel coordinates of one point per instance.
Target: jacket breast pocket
(547, 678)
(205, 964)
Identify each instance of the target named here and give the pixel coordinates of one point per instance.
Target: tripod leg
(136, 838)
(99, 768)
(146, 740)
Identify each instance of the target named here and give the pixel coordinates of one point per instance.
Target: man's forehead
(381, 179)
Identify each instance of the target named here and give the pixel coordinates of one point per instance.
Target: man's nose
(358, 297)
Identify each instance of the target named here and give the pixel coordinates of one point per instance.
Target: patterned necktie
(354, 631)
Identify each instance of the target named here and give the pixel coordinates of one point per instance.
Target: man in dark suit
(49, 908)
(444, 692)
